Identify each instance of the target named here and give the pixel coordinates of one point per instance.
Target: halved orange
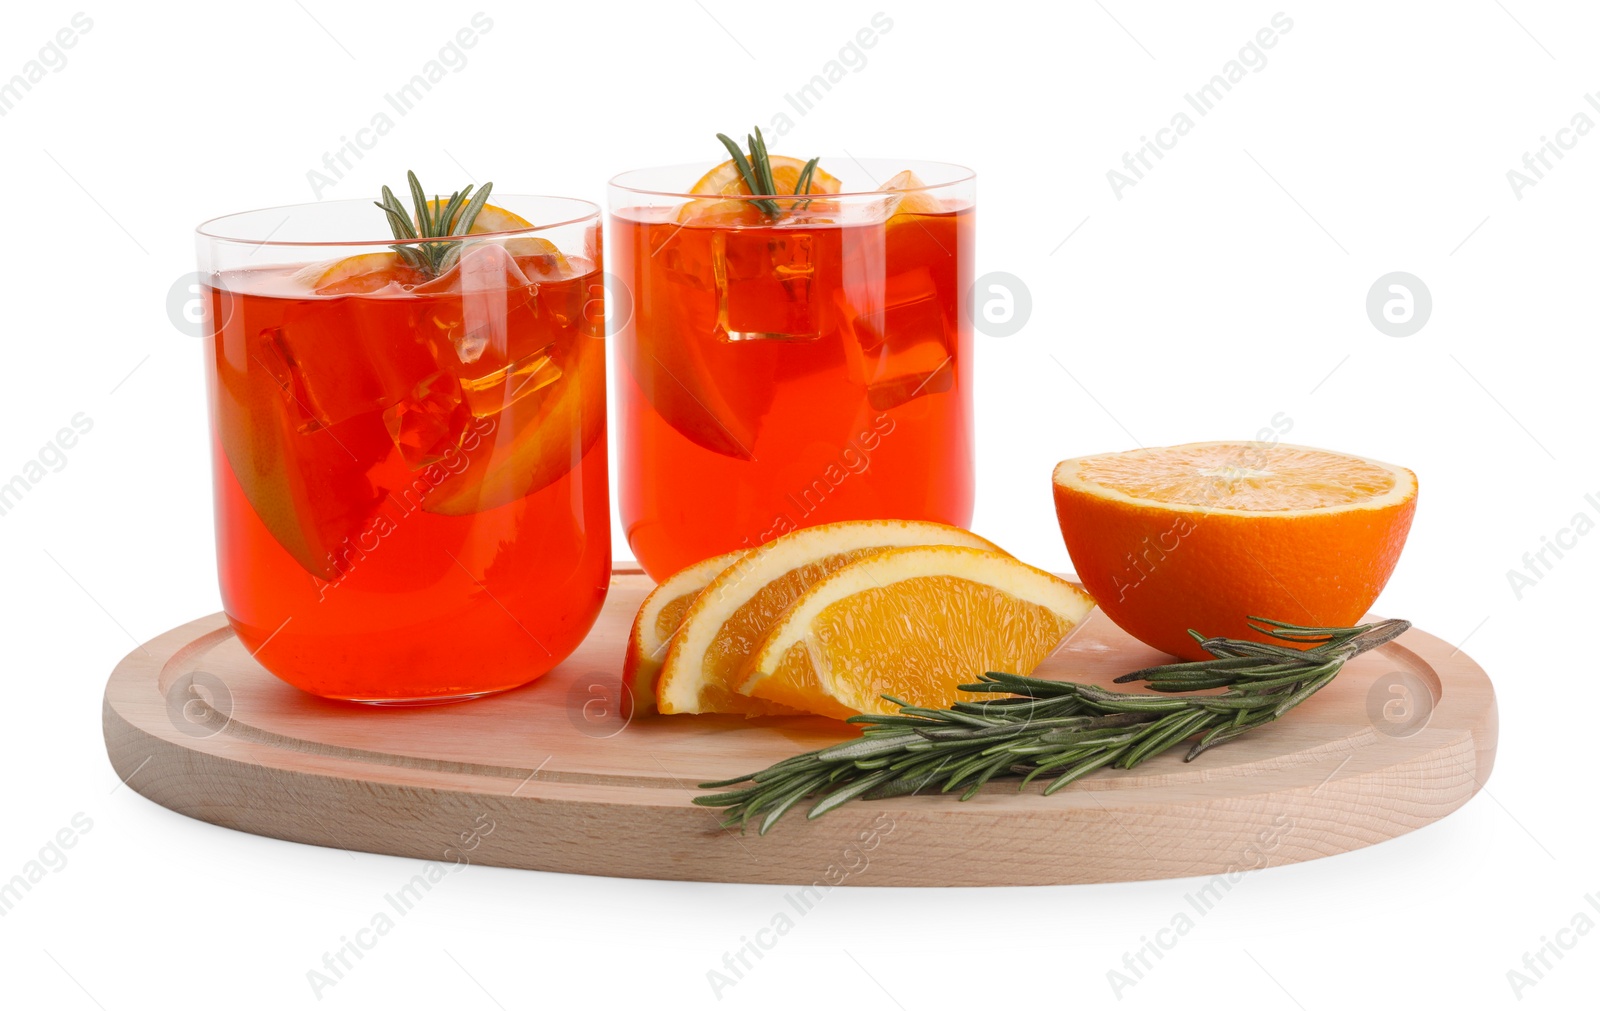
(707, 655)
(1205, 535)
(914, 623)
(659, 617)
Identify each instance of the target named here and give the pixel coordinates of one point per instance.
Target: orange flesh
(918, 640)
(1216, 532)
(670, 619)
(1242, 476)
(726, 180)
(795, 684)
(736, 641)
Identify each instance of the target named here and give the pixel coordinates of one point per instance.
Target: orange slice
(913, 196)
(535, 251)
(724, 180)
(914, 623)
(721, 214)
(1205, 535)
(365, 273)
(361, 274)
(489, 219)
(659, 617)
(707, 655)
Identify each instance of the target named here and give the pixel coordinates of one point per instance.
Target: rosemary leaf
(755, 170)
(431, 219)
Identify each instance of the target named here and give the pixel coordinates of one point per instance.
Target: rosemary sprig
(756, 171)
(1059, 729)
(433, 220)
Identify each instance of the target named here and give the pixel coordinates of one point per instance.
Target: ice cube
(487, 285)
(539, 259)
(766, 285)
(570, 301)
(490, 394)
(480, 266)
(536, 441)
(711, 386)
(429, 423)
(911, 195)
(500, 325)
(488, 266)
(906, 386)
(904, 342)
(863, 211)
(469, 346)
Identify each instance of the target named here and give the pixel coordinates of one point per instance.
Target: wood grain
(555, 776)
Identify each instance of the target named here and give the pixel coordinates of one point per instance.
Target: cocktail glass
(781, 372)
(409, 464)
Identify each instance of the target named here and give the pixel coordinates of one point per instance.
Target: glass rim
(964, 175)
(207, 230)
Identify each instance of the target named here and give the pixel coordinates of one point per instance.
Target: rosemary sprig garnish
(756, 171)
(433, 220)
(1057, 728)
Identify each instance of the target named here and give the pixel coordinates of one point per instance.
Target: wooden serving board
(554, 777)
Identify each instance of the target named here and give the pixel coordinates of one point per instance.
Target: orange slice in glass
(489, 219)
(724, 180)
(365, 273)
(361, 274)
(912, 195)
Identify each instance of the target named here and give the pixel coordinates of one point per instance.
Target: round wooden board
(553, 777)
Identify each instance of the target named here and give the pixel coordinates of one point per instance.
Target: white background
(1227, 286)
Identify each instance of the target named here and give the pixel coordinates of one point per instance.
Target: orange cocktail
(782, 370)
(409, 450)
